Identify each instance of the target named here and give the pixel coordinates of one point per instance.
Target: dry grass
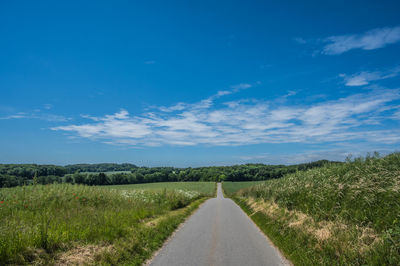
(81, 255)
(325, 233)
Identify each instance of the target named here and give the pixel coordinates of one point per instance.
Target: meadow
(205, 188)
(231, 188)
(67, 224)
(339, 214)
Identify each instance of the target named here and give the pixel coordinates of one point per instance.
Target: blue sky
(189, 84)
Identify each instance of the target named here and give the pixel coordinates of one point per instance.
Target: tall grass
(350, 211)
(38, 221)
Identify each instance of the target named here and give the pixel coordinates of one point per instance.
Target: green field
(340, 214)
(233, 187)
(60, 223)
(206, 188)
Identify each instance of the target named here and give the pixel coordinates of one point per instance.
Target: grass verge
(139, 246)
(342, 214)
(63, 223)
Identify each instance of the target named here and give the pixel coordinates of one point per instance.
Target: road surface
(219, 233)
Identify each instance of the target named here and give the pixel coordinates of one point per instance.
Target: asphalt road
(219, 233)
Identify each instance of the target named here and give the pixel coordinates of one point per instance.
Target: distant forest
(114, 174)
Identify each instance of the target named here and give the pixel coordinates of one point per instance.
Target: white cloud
(47, 106)
(222, 93)
(365, 77)
(149, 62)
(396, 115)
(176, 107)
(334, 154)
(37, 115)
(250, 122)
(14, 116)
(360, 79)
(300, 40)
(370, 40)
(241, 86)
(206, 103)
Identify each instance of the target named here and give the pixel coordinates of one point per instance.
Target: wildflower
(2, 201)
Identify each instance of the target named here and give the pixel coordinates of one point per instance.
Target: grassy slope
(338, 214)
(40, 223)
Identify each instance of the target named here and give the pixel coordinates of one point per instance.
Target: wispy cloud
(47, 106)
(37, 114)
(301, 157)
(333, 154)
(370, 40)
(241, 86)
(149, 62)
(242, 122)
(206, 103)
(300, 40)
(14, 116)
(365, 77)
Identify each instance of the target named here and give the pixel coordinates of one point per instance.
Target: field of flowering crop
(69, 224)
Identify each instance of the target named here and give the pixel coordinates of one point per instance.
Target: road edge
(181, 225)
(247, 210)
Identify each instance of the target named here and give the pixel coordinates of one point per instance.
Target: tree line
(107, 173)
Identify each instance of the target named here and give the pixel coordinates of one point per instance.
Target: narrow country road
(219, 233)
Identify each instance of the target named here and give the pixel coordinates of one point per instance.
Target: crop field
(340, 214)
(206, 188)
(232, 187)
(70, 224)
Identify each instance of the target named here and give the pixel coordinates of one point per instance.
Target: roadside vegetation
(68, 224)
(339, 214)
